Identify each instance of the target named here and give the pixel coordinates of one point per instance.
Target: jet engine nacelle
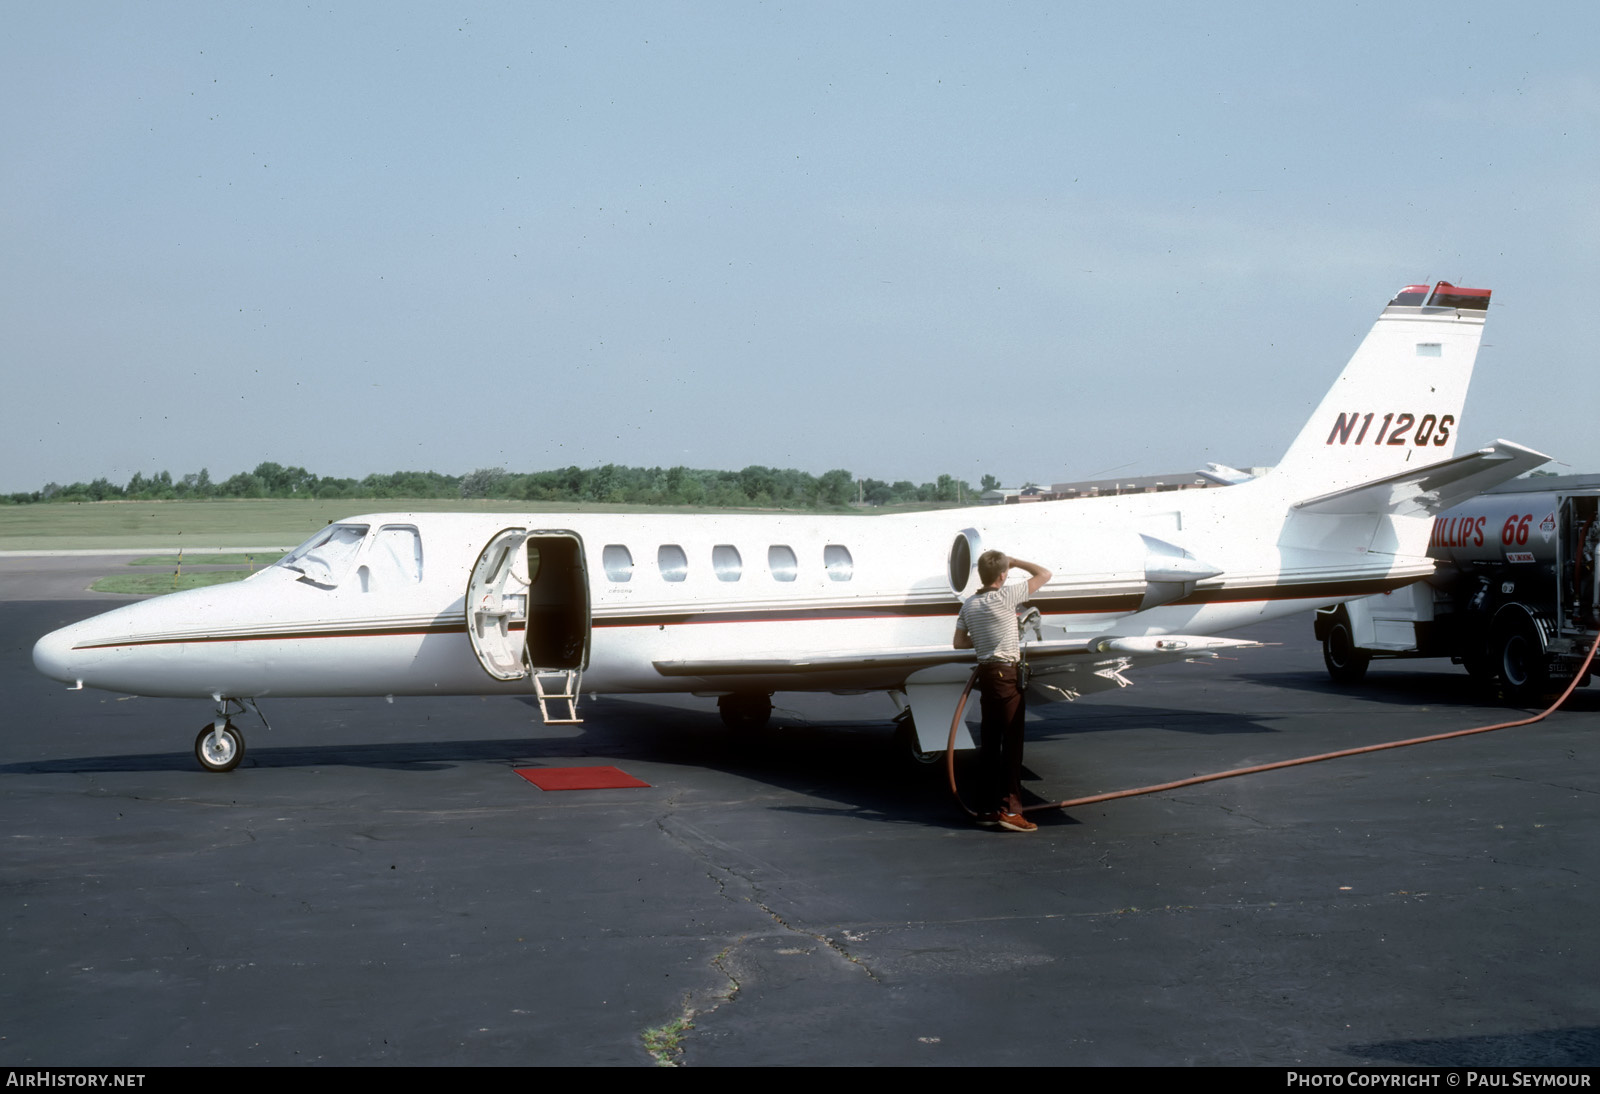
(1117, 562)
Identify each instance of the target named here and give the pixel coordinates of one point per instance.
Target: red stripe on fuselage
(1050, 606)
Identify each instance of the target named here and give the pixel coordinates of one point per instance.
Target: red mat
(578, 778)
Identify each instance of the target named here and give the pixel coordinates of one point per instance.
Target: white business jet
(741, 606)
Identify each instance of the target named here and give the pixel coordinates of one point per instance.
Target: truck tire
(1345, 663)
(1519, 661)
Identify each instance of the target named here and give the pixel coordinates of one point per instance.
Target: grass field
(195, 524)
(256, 560)
(156, 584)
(202, 525)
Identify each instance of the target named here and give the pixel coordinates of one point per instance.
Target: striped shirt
(990, 619)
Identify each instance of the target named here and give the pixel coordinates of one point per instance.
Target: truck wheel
(1519, 662)
(1346, 664)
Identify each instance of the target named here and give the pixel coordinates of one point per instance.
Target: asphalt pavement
(375, 885)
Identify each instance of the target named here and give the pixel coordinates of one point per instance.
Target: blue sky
(1041, 241)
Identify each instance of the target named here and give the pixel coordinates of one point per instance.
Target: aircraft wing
(1433, 488)
(1103, 663)
(1095, 659)
(911, 659)
(934, 677)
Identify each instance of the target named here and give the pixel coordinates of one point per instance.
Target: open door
(527, 604)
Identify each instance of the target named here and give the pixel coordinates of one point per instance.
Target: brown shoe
(1015, 822)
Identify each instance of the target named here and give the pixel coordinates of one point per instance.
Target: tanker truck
(1513, 596)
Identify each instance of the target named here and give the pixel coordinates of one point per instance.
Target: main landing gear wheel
(745, 710)
(219, 749)
(1345, 663)
(909, 745)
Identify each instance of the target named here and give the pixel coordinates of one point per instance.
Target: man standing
(988, 624)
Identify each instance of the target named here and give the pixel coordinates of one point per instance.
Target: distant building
(1100, 488)
(1013, 495)
(1132, 484)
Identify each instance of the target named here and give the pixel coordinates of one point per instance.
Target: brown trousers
(1000, 749)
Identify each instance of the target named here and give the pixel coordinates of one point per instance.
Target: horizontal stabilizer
(1433, 488)
(1223, 475)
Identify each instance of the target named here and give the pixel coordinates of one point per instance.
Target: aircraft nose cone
(53, 656)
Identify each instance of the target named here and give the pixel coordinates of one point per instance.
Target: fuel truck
(1513, 597)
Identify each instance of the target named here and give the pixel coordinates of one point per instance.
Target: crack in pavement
(665, 1043)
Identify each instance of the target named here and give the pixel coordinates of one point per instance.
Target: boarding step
(570, 682)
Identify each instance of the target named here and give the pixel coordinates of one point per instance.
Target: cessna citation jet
(742, 606)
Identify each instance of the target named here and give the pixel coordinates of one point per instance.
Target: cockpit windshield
(325, 557)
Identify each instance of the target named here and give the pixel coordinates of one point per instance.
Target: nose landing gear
(220, 746)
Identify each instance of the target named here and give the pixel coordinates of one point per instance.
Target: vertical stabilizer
(1397, 404)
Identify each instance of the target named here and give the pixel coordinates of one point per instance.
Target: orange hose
(955, 722)
(950, 747)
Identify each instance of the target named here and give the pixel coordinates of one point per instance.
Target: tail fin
(1397, 404)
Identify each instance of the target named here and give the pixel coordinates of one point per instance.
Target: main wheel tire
(909, 745)
(1345, 663)
(745, 710)
(219, 750)
(1519, 662)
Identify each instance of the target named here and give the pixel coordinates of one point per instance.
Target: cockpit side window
(395, 557)
(325, 557)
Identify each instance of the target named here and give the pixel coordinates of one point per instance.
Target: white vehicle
(1514, 599)
(741, 607)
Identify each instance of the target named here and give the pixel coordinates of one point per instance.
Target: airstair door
(497, 606)
(528, 606)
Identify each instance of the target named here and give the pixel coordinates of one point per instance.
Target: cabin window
(781, 563)
(325, 557)
(726, 562)
(672, 562)
(1430, 349)
(837, 561)
(618, 561)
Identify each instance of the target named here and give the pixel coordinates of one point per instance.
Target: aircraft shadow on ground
(1574, 1046)
(658, 733)
(855, 764)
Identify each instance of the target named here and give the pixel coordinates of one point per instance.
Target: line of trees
(754, 486)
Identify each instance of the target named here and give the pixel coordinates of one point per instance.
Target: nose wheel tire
(219, 749)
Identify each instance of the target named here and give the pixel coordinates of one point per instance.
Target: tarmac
(374, 885)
